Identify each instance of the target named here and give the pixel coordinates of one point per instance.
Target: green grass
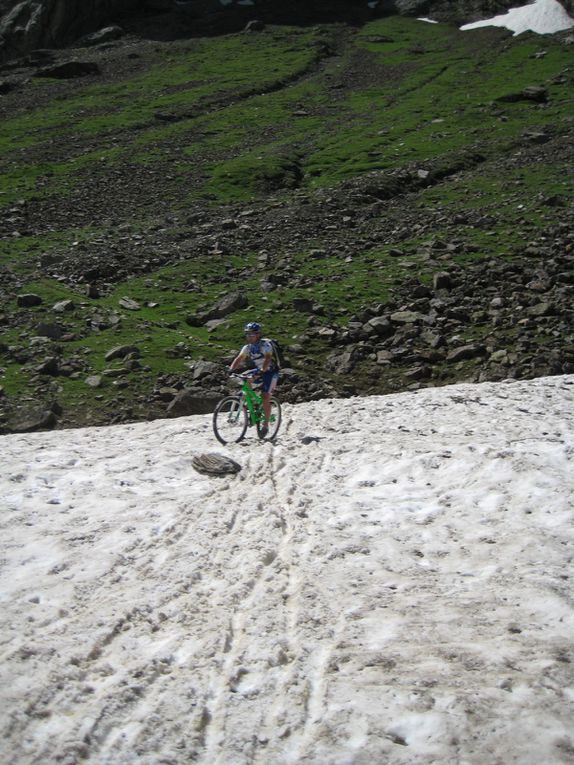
(180, 85)
(256, 115)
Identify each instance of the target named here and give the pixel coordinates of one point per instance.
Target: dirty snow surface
(390, 583)
(541, 16)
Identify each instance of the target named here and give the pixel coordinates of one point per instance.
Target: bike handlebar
(244, 375)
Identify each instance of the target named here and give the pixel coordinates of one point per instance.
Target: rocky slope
(382, 261)
(26, 25)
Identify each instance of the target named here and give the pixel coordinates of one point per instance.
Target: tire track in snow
(235, 668)
(298, 699)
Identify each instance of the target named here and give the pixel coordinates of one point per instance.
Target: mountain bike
(234, 414)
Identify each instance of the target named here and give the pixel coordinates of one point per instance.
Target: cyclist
(259, 351)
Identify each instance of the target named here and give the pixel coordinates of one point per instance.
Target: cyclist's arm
(241, 356)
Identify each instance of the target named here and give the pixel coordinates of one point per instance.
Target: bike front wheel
(274, 421)
(230, 420)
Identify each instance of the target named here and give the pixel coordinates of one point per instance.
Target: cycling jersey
(257, 352)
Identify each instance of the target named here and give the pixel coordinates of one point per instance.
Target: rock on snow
(389, 583)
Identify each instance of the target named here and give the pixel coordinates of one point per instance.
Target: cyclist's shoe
(263, 430)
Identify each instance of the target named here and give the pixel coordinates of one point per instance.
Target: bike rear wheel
(274, 421)
(230, 420)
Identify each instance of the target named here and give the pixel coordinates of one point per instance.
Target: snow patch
(395, 590)
(540, 16)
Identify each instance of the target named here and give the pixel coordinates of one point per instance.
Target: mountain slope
(392, 201)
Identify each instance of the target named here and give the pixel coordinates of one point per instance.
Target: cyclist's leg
(270, 379)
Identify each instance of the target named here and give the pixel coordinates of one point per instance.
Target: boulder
(226, 305)
(536, 93)
(215, 464)
(382, 326)
(343, 363)
(129, 304)
(107, 34)
(417, 373)
(466, 352)
(539, 309)
(254, 26)
(63, 305)
(121, 351)
(188, 402)
(30, 422)
(204, 369)
(406, 317)
(28, 300)
(34, 24)
(303, 305)
(50, 366)
(69, 70)
(52, 331)
(442, 281)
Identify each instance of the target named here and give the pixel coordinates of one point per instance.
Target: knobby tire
(273, 426)
(230, 420)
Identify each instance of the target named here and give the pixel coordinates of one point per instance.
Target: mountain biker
(260, 352)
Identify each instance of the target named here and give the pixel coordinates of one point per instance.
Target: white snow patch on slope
(398, 591)
(541, 16)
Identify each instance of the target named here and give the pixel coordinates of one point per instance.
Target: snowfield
(541, 16)
(390, 583)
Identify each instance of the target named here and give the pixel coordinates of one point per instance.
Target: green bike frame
(254, 405)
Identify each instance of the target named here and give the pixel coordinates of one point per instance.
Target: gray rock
(406, 317)
(213, 324)
(69, 70)
(121, 351)
(28, 300)
(129, 304)
(327, 334)
(384, 357)
(107, 34)
(303, 305)
(254, 26)
(310, 440)
(536, 136)
(228, 304)
(166, 394)
(540, 309)
(381, 325)
(536, 93)
(52, 331)
(188, 402)
(419, 373)
(204, 369)
(63, 305)
(442, 281)
(215, 464)
(50, 366)
(343, 363)
(434, 339)
(33, 24)
(94, 381)
(6, 86)
(34, 421)
(466, 352)
(268, 284)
